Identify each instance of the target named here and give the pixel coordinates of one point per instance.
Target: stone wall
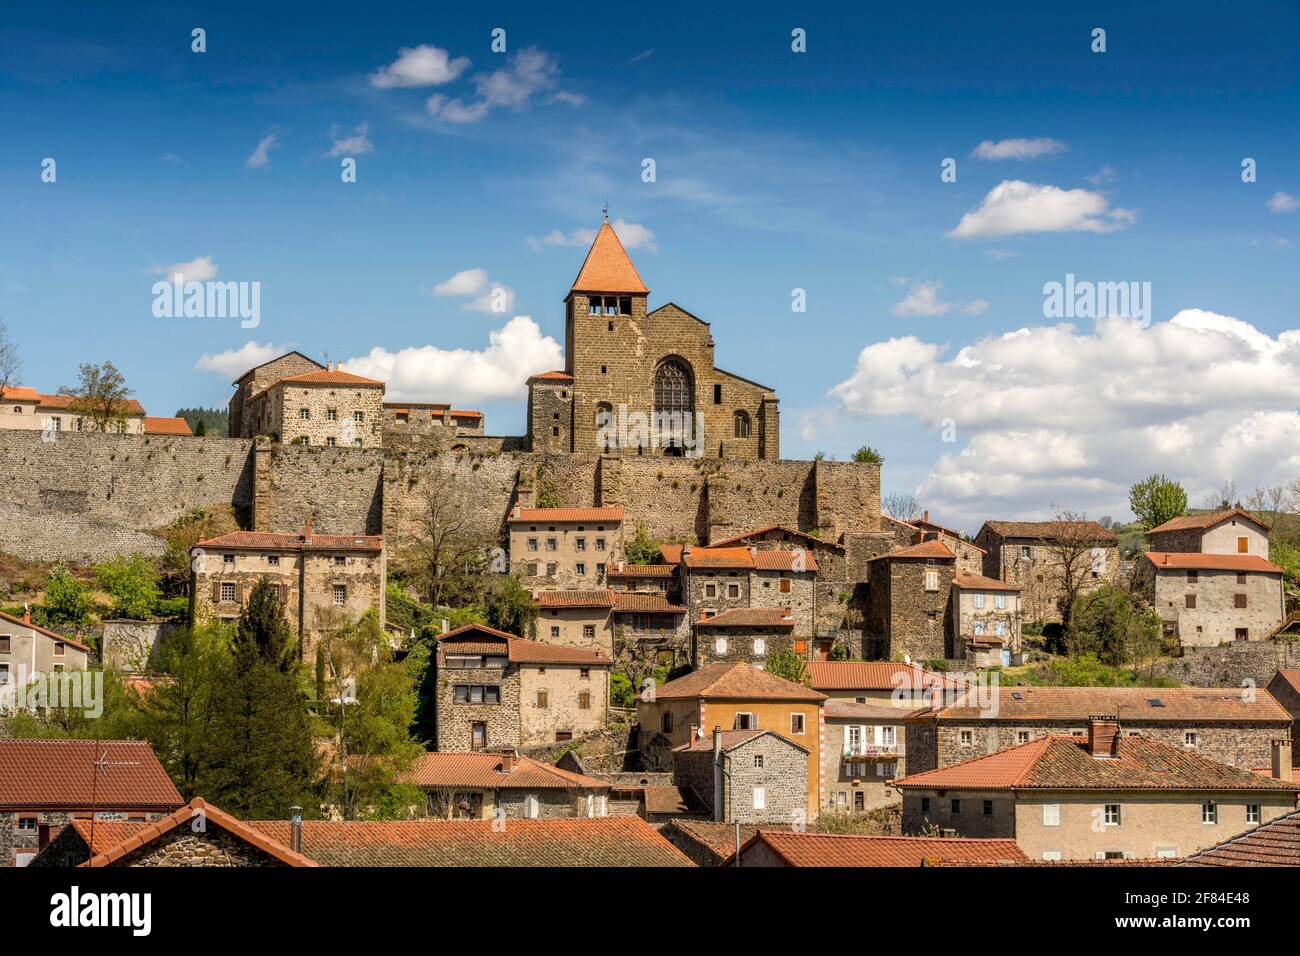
(1234, 665)
(133, 646)
(455, 721)
(183, 847)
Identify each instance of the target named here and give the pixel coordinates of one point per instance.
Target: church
(640, 382)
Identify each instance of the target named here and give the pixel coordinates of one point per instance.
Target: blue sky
(775, 170)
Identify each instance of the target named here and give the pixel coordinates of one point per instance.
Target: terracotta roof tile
(328, 376)
(796, 560)
(738, 681)
(444, 769)
(706, 558)
(128, 406)
(1051, 530)
(607, 267)
(768, 529)
(641, 571)
(559, 599)
(750, 617)
(166, 426)
(544, 515)
(278, 541)
(1273, 844)
(831, 849)
(731, 739)
(977, 582)
(633, 602)
(479, 638)
(926, 549)
(1203, 522)
(1291, 677)
(661, 799)
(671, 553)
(19, 393)
(551, 377)
(874, 675)
(1144, 704)
(61, 773)
(1197, 561)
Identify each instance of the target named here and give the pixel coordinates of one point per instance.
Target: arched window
(674, 387)
(741, 420)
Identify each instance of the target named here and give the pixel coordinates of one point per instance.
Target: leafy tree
(789, 665)
(621, 691)
(510, 607)
(116, 720)
(1112, 625)
(642, 549)
(201, 429)
(132, 583)
(181, 536)
(263, 633)
(205, 421)
(450, 560)
(67, 600)
(820, 456)
(100, 397)
(1155, 499)
(868, 454)
(840, 651)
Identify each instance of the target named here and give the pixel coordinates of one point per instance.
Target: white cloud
(923, 299)
(488, 296)
(423, 65)
(355, 143)
(975, 307)
(1102, 176)
(199, 269)
(464, 376)
(261, 156)
(1014, 206)
(1054, 416)
(1283, 202)
(633, 235)
(1019, 148)
(465, 282)
(233, 363)
(527, 74)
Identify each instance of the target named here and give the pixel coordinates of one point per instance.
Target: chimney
(306, 528)
(1282, 760)
(926, 519)
(445, 625)
(1102, 734)
(27, 613)
(508, 758)
(718, 777)
(295, 830)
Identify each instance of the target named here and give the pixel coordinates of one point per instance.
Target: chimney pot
(508, 758)
(295, 826)
(445, 625)
(1103, 732)
(27, 613)
(926, 519)
(1281, 769)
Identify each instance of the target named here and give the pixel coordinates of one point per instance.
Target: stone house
(1285, 689)
(864, 752)
(909, 610)
(1100, 795)
(257, 380)
(733, 696)
(576, 619)
(643, 578)
(986, 620)
(474, 786)
(1043, 556)
(25, 409)
(970, 556)
(793, 848)
(1229, 726)
(495, 691)
(1276, 843)
(1209, 599)
(47, 784)
(649, 632)
(27, 649)
(325, 407)
(884, 683)
(640, 382)
(1231, 531)
(559, 548)
(321, 579)
(743, 634)
(433, 419)
(746, 776)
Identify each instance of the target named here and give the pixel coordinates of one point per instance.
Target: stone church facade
(641, 382)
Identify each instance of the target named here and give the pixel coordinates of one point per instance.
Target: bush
(621, 691)
(789, 665)
(132, 583)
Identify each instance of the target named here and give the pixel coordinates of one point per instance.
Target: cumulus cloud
(422, 65)
(633, 235)
(1052, 415)
(233, 363)
(1014, 206)
(529, 75)
(199, 269)
(354, 143)
(261, 155)
(1019, 148)
(464, 376)
(923, 299)
(1283, 202)
(484, 295)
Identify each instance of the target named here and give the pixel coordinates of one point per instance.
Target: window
(340, 561)
(674, 388)
(4, 674)
(584, 673)
(340, 595)
(358, 416)
(1209, 812)
(552, 544)
(758, 761)
(760, 647)
(1243, 544)
(710, 590)
(1189, 739)
(932, 580)
(600, 570)
(5, 643)
(741, 425)
(600, 544)
(1000, 602)
(228, 559)
(273, 560)
(1239, 600)
(733, 590)
(1112, 814)
(760, 798)
(1252, 813)
(967, 738)
(304, 414)
(1189, 601)
(956, 806)
(745, 721)
(580, 568)
(1192, 577)
(27, 823)
(1026, 551)
(60, 649)
(478, 735)
(1051, 814)
(1051, 855)
(979, 628)
(584, 700)
(555, 631)
(542, 698)
(579, 544)
(666, 723)
(532, 806)
(551, 568)
(888, 736)
(925, 804)
(720, 645)
(796, 724)
(532, 569)
(1022, 736)
(331, 442)
(532, 544)
(853, 739)
(227, 592)
(331, 414)
(988, 808)
(588, 631)
(979, 602)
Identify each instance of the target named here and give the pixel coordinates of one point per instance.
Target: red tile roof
(484, 770)
(1052, 530)
(1181, 704)
(641, 571)
(633, 602)
(71, 642)
(329, 376)
(738, 681)
(1064, 763)
(212, 816)
(61, 774)
(797, 561)
(750, 617)
(1291, 677)
(544, 515)
(19, 393)
(278, 541)
(668, 799)
(602, 841)
(768, 529)
(671, 553)
(833, 849)
(977, 582)
(479, 638)
(707, 558)
(1203, 522)
(1197, 561)
(579, 599)
(127, 406)
(926, 549)
(464, 413)
(607, 267)
(551, 377)
(154, 425)
(1273, 844)
(874, 675)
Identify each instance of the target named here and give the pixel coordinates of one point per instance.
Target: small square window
(340, 595)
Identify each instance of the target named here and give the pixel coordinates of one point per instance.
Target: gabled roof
(601, 841)
(1052, 530)
(843, 709)
(328, 376)
(750, 617)
(558, 515)
(836, 849)
(1273, 844)
(1290, 677)
(19, 393)
(797, 561)
(875, 675)
(641, 570)
(634, 602)
(721, 558)
(578, 599)
(154, 425)
(977, 582)
(607, 267)
(671, 553)
(933, 549)
(71, 642)
(738, 681)
(768, 529)
(731, 739)
(1204, 522)
(62, 774)
(444, 769)
(212, 816)
(556, 376)
(1143, 704)
(276, 359)
(1064, 763)
(280, 541)
(1198, 561)
(483, 639)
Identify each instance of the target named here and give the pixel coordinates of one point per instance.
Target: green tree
(642, 549)
(263, 633)
(132, 583)
(789, 665)
(67, 601)
(1110, 624)
(1155, 499)
(101, 397)
(510, 607)
(869, 455)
